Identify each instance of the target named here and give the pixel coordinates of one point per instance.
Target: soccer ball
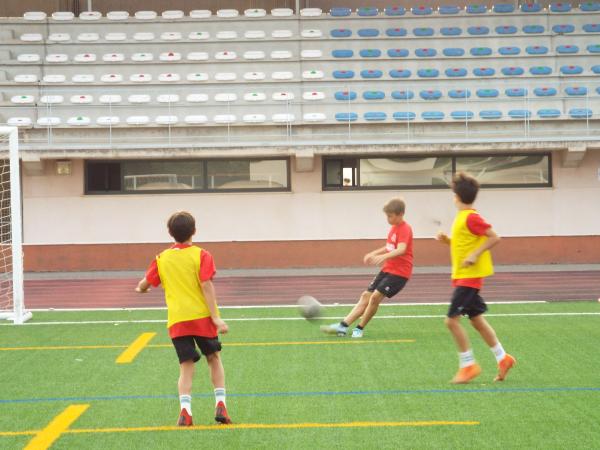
(309, 307)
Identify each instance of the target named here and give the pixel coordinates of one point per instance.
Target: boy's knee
(451, 321)
(212, 357)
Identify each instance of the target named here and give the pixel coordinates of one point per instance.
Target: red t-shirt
(400, 265)
(199, 327)
(478, 226)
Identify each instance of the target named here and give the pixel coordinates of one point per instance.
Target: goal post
(12, 305)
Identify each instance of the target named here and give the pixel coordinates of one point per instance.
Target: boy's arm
(397, 252)
(369, 256)
(491, 241)
(211, 301)
(143, 286)
(443, 238)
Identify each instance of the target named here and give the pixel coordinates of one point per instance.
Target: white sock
(466, 358)
(219, 395)
(185, 401)
(498, 352)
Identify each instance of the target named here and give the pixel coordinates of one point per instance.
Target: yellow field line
(135, 348)
(228, 344)
(59, 425)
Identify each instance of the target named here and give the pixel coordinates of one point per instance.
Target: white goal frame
(18, 315)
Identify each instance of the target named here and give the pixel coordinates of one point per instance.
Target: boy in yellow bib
(185, 272)
(470, 244)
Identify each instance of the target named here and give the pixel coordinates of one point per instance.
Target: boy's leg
(504, 360)
(187, 354)
(217, 376)
(372, 307)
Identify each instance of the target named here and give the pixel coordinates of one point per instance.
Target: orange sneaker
(185, 420)
(221, 415)
(466, 374)
(504, 366)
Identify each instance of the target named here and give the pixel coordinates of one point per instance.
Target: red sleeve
(207, 266)
(152, 275)
(477, 225)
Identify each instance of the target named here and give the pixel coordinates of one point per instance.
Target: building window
(167, 176)
(431, 172)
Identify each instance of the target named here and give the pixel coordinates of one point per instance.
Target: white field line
(276, 319)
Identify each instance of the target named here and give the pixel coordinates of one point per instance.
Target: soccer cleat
(504, 366)
(221, 415)
(185, 420)
(336, 328)
(357, 333)
(466, 374)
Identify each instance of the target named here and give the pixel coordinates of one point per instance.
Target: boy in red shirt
(397, 259)
(186, 273)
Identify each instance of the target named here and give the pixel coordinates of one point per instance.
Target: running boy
(186, 273)
(472, 238)
(397, 259)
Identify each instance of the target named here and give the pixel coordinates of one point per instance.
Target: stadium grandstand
(285, 126)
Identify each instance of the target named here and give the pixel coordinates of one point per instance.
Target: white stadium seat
(225, 76)
(79, 121)
(85, 57)
(225, 118)
(63, 16)
(166, 120)
(281, 54)
(167, 98)
(311, 12)
(145, 15)
(283, 118)
(111, 78)
(114, 37)
(90, 15)
(312, 74)
(54, 78)
(254, 76)
(169, 77)
(142, 57)
(28, 58)
(170, 56)
(226, 97)
(227, 34)
(108, 120)
(282, 12)
(140, 77)
(113, 57)
(199, 35)
(22, 99)
(59, 37)
(172, 14)
(314, 117)
(88, 37)
(137, 120)
(83, 78)
(225, 55)
(283, 96)
(82, 99)
(52, 99)
(311, 53)
(34, 15)
(200, 13)
(254, 34)
(57, 57)
(117, 15)
(195, 119)
(48, 121)
(282, 75)
(138, 98)
(196, 98)
(197, 76)
(197, 56)
(311, 33)
(110, 99)
(254, 54)
(313, 95)
(25, 78)
(255, 12)
(31, 37)
(143, 36)
(254, 118)
(281, 34)
(171, 36)
(255, 96)
(19, 122)
(227, 13)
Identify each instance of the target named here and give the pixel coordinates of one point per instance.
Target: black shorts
(185, 346)
(467, 302)
(387, 283)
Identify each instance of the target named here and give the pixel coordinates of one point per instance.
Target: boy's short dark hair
(182, 226)
(395, 206)
(465, 187)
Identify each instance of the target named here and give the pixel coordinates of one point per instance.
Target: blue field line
(308, 394)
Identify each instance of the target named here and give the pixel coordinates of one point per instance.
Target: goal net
(11, 254)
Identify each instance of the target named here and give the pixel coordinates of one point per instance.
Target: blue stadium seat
(593, 48)
(428, 73)
(448, 9)
(571, 70)
(540, 70)
(346, 116)
(343, 74)
(432, 115)
(563, 29)
(395, 32)
(371, 73)
(368, 32)
(545, 91)
(373, 95)
(476, 9)
(515, 92)
(531, 7)
(536, 50)
(453, 51)
(589, 6)
(421, 10)
(580, 113)
(456, 72)
(341, 32)
(374, 115)
(576, 90)
(340, 12)
(509, 50)
(503, 8)
(512, 71)
(400, 73)
(595, 69)
(397, 53)
(487, 93)
(432, 94)
(451, 31)
(559, 7)
(426, 52)
(481, 51)
(395, 11)
(345, 95)
(506, 29)
(519, 114)
(478, 31)
(423, 31)
(403, 95)
(404, 115)
(490, 114)
(484, 71)
(533, 29)
(459, 93)
(548, 113)
(462, 115)
(342, 53)
(370, 53)
(367, 11)
(567, 49)
(592, 28)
